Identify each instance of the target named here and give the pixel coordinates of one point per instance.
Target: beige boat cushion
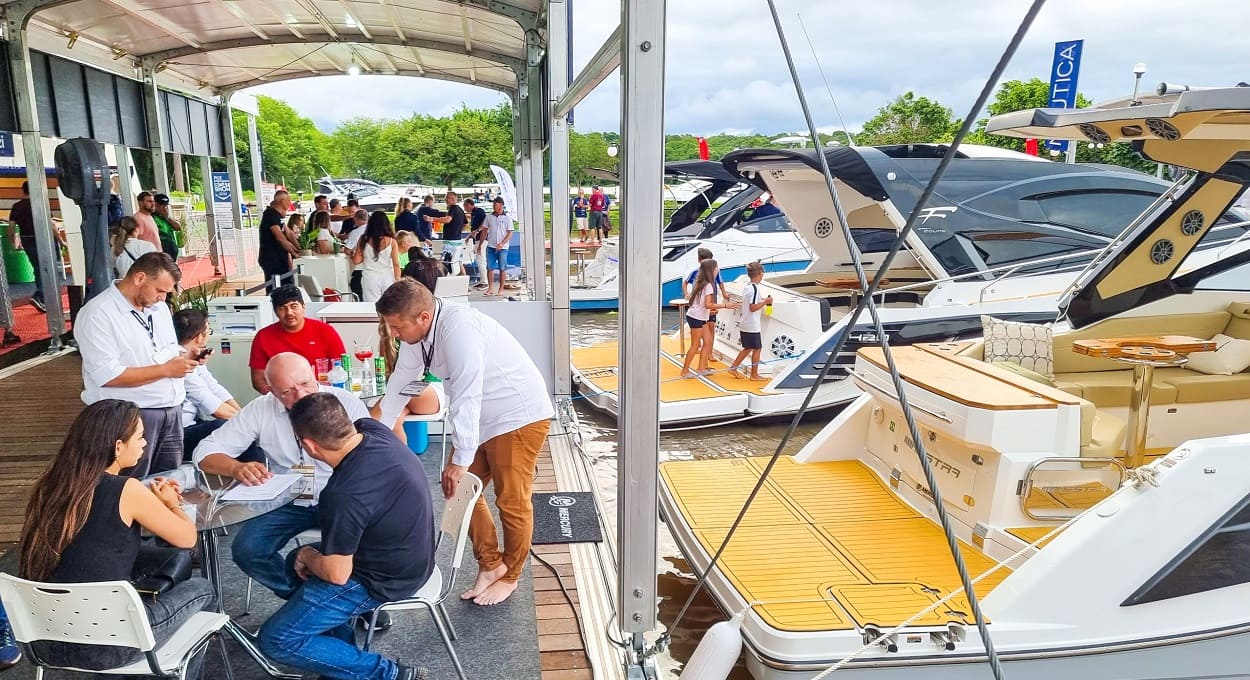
(1231, 355)
(1013, 367)
(1202, 325)
(1112, 388)
(1106, 438)
(1239, 324)
(1193, 387)
(1027, 344)
(974, 351)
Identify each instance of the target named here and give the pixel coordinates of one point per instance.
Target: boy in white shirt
(749, 321)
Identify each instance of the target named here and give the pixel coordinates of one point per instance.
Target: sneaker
(384, 622)
(412, 673)
(10, 653)
(38, 304)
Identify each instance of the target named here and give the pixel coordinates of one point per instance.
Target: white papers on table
(269, 490)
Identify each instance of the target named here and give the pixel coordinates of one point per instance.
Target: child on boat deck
(704, 255)
(749, 321)
(701, 318)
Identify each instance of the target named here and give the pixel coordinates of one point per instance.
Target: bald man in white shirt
(266, 422)
(500, 411)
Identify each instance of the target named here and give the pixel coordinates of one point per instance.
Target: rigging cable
(867, 302)
(850, 140)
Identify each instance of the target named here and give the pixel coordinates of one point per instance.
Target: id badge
(310, 479)
(414, 389)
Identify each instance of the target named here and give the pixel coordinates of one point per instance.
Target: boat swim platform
(535, 634)
(825, 546)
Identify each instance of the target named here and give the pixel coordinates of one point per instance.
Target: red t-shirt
(316, 340)
(596, 202)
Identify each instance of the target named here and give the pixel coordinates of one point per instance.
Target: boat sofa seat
(1193, 387)
(1112, 388)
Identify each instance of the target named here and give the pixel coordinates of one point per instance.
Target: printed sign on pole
(222, 197)
(1063, 75)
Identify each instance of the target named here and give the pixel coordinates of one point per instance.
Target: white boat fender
(717, 652)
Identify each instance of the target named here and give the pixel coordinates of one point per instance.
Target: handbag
(159, 568)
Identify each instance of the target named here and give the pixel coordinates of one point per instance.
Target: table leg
(1138, 415)
(209, 566)
(248, 642)
(681, 328)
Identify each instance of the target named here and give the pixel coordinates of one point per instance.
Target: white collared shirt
(204, 396)
(266, 423)
(498, 228)
(112, 337)
(492, 385)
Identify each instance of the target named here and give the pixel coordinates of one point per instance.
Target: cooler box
(418, 432)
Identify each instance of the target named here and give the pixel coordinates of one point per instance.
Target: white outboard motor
(82, 173)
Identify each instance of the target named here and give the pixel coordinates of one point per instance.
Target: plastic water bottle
(338, 377)
(768, 309)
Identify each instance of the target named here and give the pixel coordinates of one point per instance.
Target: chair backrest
(456, 514)
(451, 286)
(108, 613)
(311, 287)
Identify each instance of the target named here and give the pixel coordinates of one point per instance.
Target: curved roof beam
(227, 90)
(516, 64)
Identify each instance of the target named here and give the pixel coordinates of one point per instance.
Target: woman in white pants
(378, 257)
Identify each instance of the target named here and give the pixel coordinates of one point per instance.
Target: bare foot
(759, 378)
(688, 374)
(496, 593)
(484, 580)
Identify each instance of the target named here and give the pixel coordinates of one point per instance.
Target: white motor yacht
(1096, 482)
(1005, 234)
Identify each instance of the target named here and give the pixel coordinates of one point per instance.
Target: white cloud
(725, 69)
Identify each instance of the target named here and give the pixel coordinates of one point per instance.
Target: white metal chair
(455, 524)
(443, 417)
(108, 613)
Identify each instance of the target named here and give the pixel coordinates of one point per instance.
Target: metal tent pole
(27, 116)
(638, 438)
(156, 127)
(210, 220)
(557, 73)
(521, 178)
(258, 173)
(243, 265)
(533, 134)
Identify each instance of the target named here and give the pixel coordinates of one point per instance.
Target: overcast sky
(726, 71)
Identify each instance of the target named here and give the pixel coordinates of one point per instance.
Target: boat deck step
(825, 546)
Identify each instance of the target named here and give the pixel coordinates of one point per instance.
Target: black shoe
(412, 673)
(383, 622)
(38, 304)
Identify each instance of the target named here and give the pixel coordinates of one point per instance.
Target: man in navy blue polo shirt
(377, 544)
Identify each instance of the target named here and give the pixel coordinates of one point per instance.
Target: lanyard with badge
(148, 325)
(305, 468)
(427, 357)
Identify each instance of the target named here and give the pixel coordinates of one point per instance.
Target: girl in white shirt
(702, 304)
(126, 246)
(320, 224)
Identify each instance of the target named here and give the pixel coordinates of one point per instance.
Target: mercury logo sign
(562, 504)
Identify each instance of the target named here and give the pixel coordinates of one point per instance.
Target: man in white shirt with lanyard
(266, 422)
(500, 411)
(130, 351)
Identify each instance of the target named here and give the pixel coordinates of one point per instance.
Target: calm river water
(728, 441)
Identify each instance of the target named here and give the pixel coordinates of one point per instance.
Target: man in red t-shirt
(310, 338)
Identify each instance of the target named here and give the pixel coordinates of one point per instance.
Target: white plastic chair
(442, 416)
(455, 524)
(453, 289)
(108, 613)
(312, 288)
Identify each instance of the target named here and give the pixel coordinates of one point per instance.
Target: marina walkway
(532, 635)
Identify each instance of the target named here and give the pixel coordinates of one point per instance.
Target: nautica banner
(1063, 74)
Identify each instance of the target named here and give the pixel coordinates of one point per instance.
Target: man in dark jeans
(21, 215)
(276, 250)
(377, 544)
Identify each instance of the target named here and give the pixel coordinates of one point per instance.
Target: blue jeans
(313, 631)
(256, 547)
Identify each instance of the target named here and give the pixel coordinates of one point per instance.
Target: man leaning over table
(265, 421)
(500, 412)
(377, 545)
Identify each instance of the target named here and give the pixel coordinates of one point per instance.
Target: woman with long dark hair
(424, 268)
(702, 304)
(83, 521)
(378, 257)
(319, 223)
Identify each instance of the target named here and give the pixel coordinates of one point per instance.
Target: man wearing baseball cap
(166, 226)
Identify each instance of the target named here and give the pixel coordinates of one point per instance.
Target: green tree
(294, 152)
(589, 151)
(909, 119)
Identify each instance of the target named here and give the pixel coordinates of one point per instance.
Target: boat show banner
(1063, 75)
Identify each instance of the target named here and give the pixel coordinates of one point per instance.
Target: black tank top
(105, 548)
